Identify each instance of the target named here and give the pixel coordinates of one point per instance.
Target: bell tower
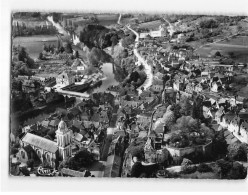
(64, 140)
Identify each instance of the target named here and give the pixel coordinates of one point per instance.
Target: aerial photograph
(128, 95)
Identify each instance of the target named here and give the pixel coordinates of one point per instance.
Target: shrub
(30, 163)
(14, 150)
(189, 169)
(203, 168)
(186, 162)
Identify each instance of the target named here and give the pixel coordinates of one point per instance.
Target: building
(48, 151)
(65, 79)
(64, 140)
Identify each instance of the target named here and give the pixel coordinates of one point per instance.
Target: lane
(147, 67)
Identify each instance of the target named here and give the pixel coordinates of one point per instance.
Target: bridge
(81, 96)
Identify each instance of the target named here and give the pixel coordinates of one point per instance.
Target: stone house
(65, 78)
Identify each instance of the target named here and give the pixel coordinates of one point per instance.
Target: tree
(185, 107)
(203, 168)
(95, 56)
(225, 167)
(67, 46)
(30, 163)
(237, 151)
(14, 151)
(83, 158)
(238, 171)
(76, 54)
(40, 56)
(169, 117)
(217, 53)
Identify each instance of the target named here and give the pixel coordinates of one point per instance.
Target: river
(33, 46)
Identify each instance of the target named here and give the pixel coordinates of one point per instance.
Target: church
(48, 151)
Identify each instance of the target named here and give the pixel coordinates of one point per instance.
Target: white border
(237, 7)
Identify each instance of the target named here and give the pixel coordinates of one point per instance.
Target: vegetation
(128, 40)
(99, 36)
(97, 56)
(82, 159)
(238, 151)
(203, 168)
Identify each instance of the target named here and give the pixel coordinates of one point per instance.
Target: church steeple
(64, 140)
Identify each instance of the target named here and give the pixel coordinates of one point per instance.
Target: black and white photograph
(125, 94)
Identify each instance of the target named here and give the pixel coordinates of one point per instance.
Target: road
(107, 143)
(119, 20)
(147, 67)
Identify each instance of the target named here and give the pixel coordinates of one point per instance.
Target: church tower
(64, 140)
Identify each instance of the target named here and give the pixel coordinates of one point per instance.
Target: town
(129, 95)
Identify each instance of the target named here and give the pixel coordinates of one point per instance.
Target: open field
(151, 25)
(107, 19)
(34, 44)
(239, 40)
(239, 51)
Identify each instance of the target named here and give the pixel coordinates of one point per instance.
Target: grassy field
(34, 44)
(107, 19)
(151, 25)
(240, 40)
(240, 52)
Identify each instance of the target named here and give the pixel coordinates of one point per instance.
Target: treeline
(22, 30)
(99, 36)
(21, 62)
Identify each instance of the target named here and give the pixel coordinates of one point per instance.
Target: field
(151, 25)
(238, 46)
(107, 19)
(34, 44)
(240, 40)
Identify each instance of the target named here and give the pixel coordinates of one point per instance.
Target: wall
(180, 152)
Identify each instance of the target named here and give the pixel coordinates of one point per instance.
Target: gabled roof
(45, 123)
(77, 123)
(54, 122)
(40, 142)
(245, 125)
(74, 111)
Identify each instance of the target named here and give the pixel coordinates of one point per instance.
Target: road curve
(147, 67)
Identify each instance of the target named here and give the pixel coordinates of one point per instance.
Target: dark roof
(243, 115)
(28, 149)
(74, 111)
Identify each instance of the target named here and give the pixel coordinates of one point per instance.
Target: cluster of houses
(63, 134)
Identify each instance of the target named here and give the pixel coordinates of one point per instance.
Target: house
(65, 78)
(198, 87)
(157, 88)
(75, 112)
(234, 124)
(53, 124)
(216, 86)
(219, 114)
(226, 119)
(30, 86)
(207, 112)
(243, 134)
